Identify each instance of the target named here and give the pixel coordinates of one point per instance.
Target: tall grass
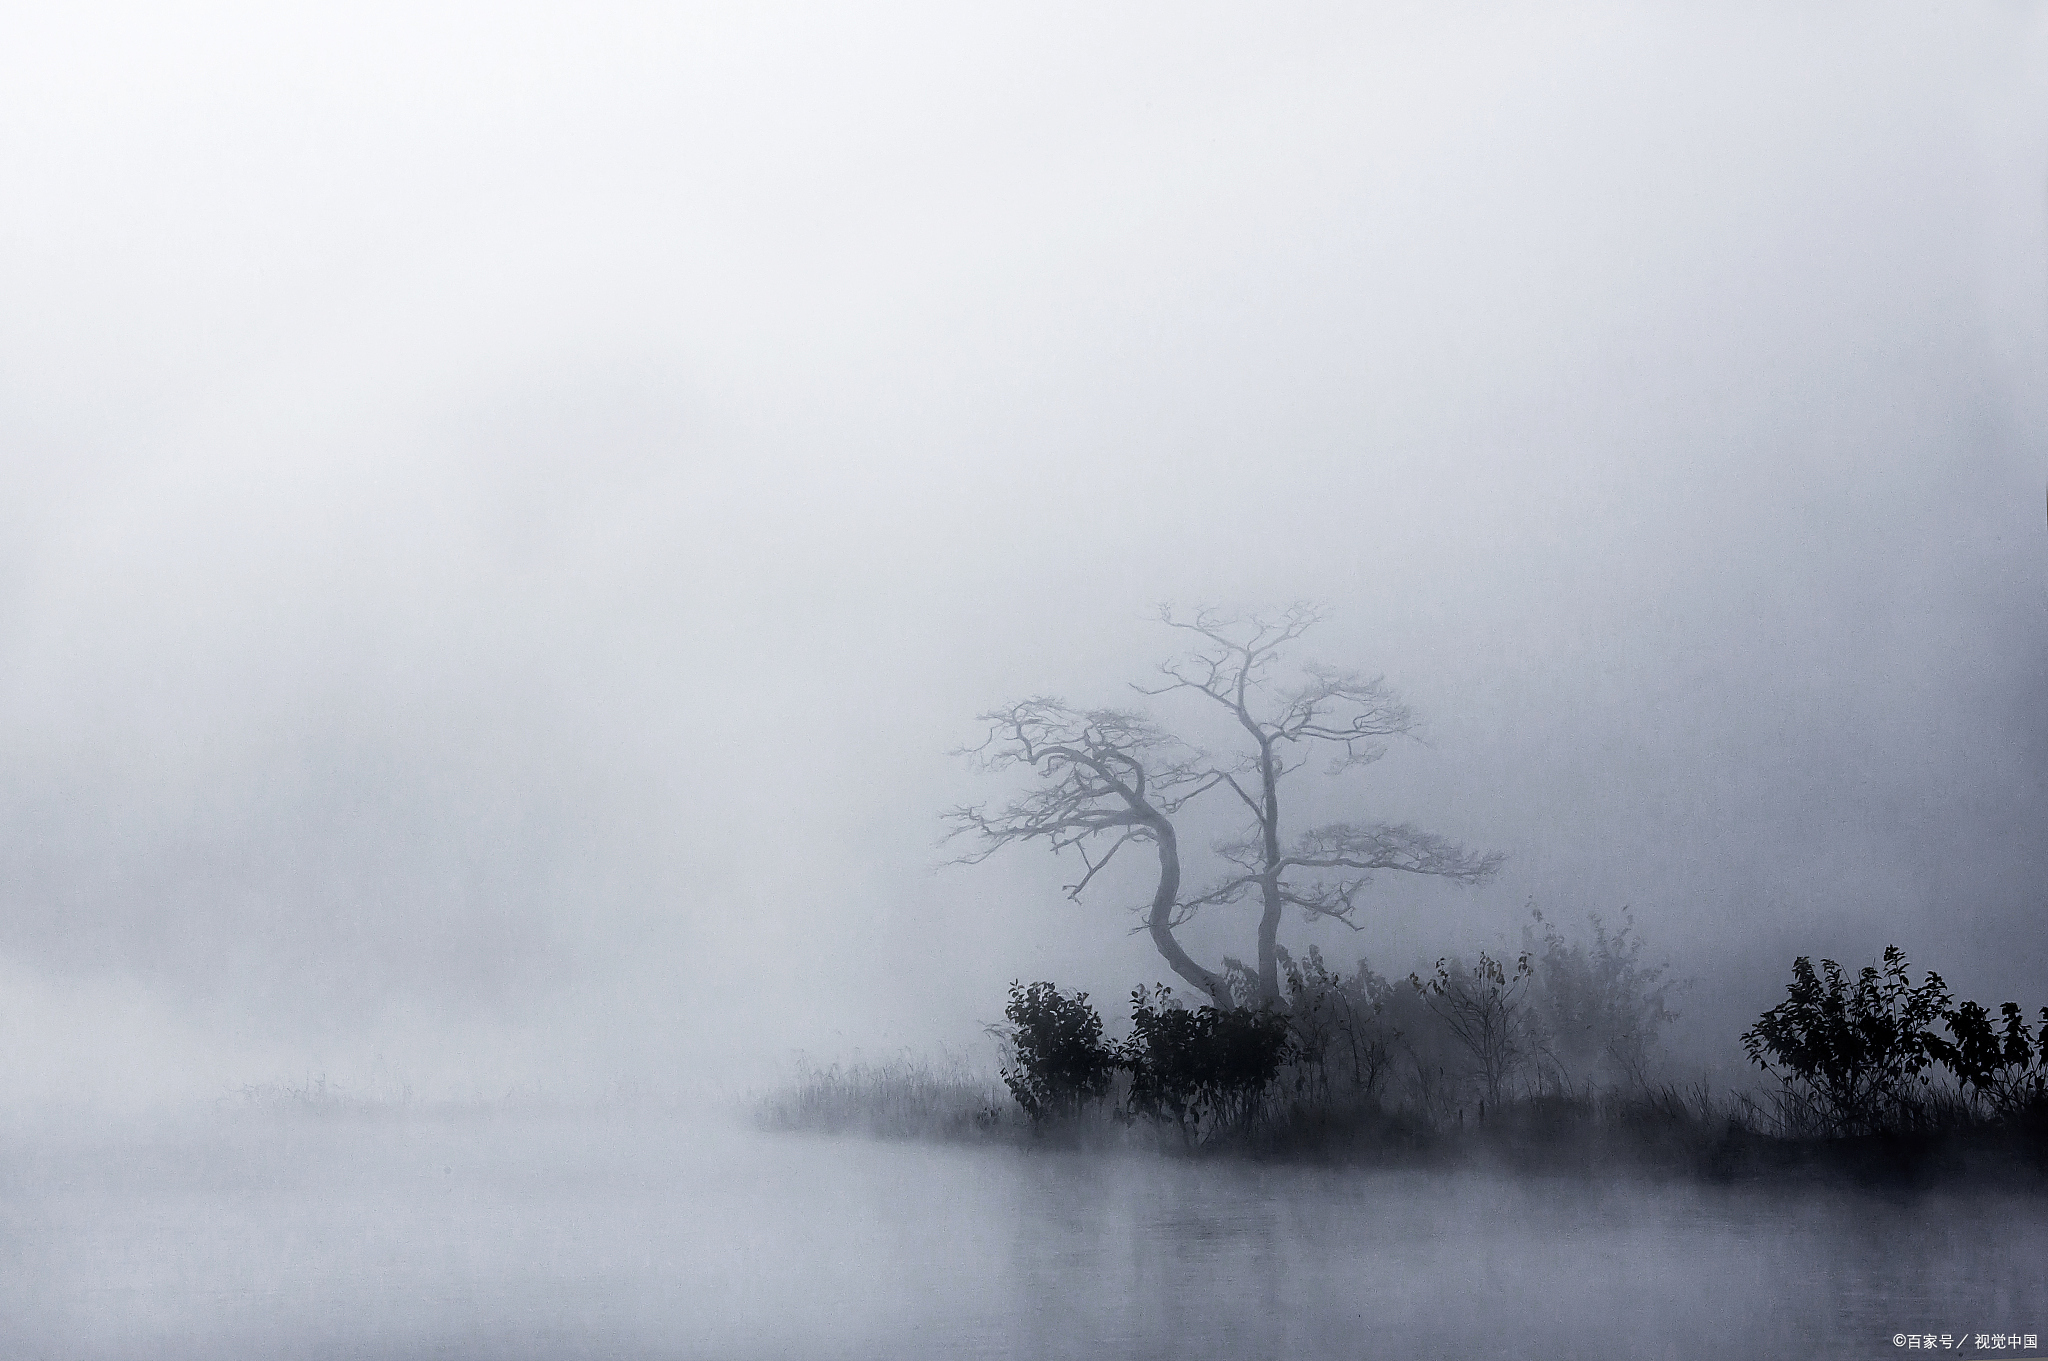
(905, 1097)
(317, 1093)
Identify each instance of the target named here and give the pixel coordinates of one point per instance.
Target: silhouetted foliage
(1061, 1060)
(1360, 1070)
(1481, 1006)
(1204, 1068)
(2004, 1068)
(1852, 1057)
(1566, 1016)
(1336, 1027)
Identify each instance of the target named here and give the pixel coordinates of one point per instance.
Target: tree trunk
(1160, 922)
(1269, 885)
(1269, 944)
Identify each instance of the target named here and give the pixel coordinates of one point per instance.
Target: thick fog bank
(506, 516)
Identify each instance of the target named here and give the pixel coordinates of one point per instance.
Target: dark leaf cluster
(1198, 1070)
(1061, 1060)
(1857, 1056)
(1201, 1069)
(2002, 1064)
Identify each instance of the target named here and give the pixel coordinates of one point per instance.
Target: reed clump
(902, 1097)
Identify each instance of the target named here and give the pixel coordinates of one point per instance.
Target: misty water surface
(556, 1236)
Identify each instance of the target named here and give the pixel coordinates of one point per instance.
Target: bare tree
(1482, 1006)
(1105, 779)
(1322, 870)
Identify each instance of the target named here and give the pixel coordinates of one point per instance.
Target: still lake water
(271, 1235)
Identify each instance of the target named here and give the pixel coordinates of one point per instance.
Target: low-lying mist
(537, 1235)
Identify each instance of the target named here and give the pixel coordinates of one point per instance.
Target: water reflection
(562, 1237)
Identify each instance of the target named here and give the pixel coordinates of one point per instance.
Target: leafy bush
(1336, 1022)
(1210, 1064)
(1061, 1060)
(1564, 1016)
(1482, 1007)
(1248, 1047)
(2004, 1068)
(1852, 1057)
(1596, 1010)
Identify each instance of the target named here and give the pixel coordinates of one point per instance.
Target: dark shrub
(1852, 1056)
(1167, 1055)
(1210, 1064)
(1483, 1008)
(1062, 1063)
(2004, 1068)
(1249, 1046)
(1340, 1043)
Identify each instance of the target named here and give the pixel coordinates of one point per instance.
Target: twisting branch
(1098, 772)
(1095, 866)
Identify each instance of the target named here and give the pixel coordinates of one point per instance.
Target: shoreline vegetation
(1545, 1064)
(1668, 1131)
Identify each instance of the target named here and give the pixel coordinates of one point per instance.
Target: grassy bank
(1665, 1131)
(896, 1098)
